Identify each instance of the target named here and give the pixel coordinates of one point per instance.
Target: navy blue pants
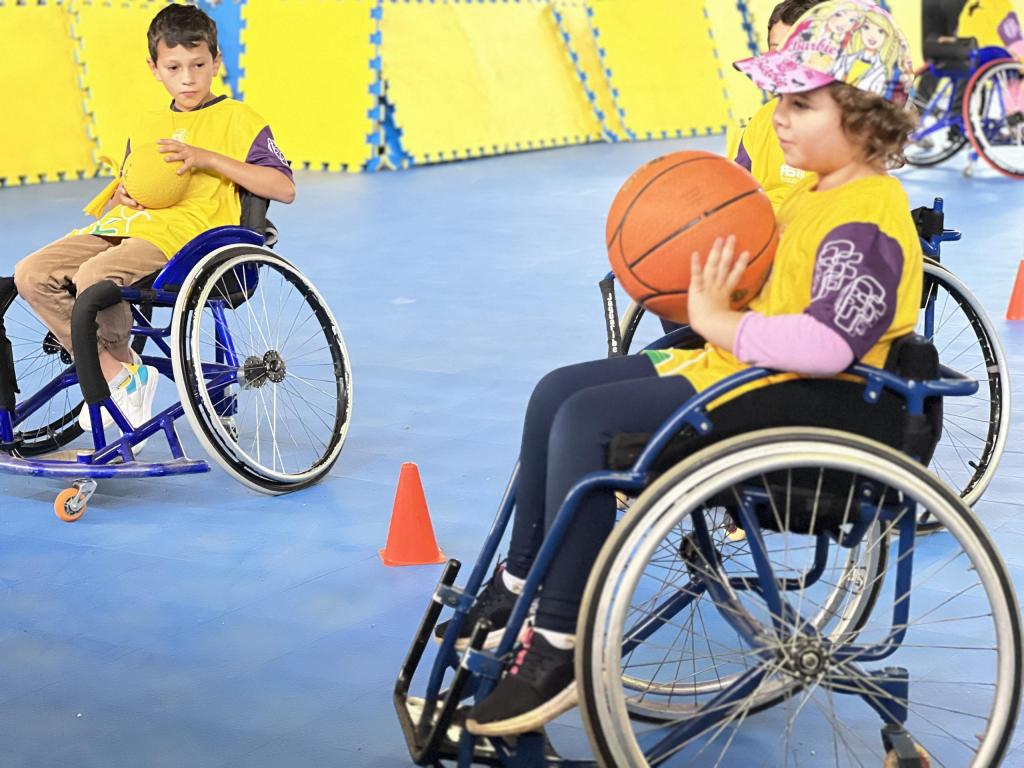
(573, 414)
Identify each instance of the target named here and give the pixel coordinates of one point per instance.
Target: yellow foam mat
(470, 79)
(660, 59)
(43, 132)
(760, 11)
(732, 43)
(574, 23)
(111, 48)
(306, 69)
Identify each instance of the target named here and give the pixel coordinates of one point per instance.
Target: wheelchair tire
(960, 601)
(939, 145)
(38, 359)
(276, 417)
(974, 429)
(997, 138)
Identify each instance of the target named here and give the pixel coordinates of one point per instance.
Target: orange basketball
(679, 204)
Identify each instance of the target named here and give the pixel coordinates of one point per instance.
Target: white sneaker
(132, 392)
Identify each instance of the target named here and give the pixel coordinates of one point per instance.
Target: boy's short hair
(182, 25)
(789, 11)
(882, 128)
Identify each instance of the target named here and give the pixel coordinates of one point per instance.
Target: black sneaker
(494, 603)
(538, 688)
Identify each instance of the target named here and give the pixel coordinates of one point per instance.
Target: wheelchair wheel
(937, 137)
(849, 588)
(942, 641)
(974, 429)
(39, 359)
(994, 115)
(261, 369)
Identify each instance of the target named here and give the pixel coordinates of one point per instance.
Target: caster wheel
(892, 761)
(969, 172)
(62, 506)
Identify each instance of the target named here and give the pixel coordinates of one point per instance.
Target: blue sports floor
(190, 622)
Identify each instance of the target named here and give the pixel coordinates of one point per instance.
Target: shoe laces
(520, 657)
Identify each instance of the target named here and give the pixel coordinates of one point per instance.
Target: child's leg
(44, 277)
(124, 263)
(578, 445)
(548, 397)
(540, 684)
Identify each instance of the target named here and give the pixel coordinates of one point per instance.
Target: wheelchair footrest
(76, 469)
(484, 752)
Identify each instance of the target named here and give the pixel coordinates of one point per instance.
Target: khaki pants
(43, 279)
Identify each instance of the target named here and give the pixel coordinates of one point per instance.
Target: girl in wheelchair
(846, 282)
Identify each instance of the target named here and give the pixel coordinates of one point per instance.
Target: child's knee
(29, 282)
(88, 275)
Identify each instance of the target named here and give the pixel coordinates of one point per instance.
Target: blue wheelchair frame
(477, 671)
(116, 459)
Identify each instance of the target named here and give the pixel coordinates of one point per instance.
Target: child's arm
(261, 180)
(861, 263)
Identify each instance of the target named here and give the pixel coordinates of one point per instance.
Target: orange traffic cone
(1016, 309)
(411, 536)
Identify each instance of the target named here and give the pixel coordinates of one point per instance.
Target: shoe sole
(533, 720)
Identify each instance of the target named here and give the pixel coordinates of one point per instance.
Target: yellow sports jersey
(992, 22)
(225, 126)
(849, 257)
(760, 153)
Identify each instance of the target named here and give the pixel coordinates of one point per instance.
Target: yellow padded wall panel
(306, 69)
(731, 44)
(575, 24)
(110, 44)
(760, 11)
(661, 61)
(907, 14)
(43, 133)
(469, 79)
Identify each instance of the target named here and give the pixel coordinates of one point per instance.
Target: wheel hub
(807, 660)
(257, 371)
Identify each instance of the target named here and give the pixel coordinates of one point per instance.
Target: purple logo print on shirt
(856, 279)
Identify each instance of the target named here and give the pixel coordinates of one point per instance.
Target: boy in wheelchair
(846, 283)
(223, 144)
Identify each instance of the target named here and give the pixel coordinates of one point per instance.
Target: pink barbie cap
(842, 41)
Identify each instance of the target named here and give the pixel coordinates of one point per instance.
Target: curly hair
(882, 128)
(182, 25)
(790, 11)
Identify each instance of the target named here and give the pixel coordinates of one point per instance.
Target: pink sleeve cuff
(795, 343)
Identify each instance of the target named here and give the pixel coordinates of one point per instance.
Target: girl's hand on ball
(710, 288)
(121, 197)
(190, 157)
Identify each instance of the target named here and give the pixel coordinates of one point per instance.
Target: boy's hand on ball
(121, 197)
(711, 287)
(190, 157)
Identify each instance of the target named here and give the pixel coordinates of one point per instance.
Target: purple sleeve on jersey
(856, 281)
(743, 157)
(1010, 31)
(264, 151)
(795, 343)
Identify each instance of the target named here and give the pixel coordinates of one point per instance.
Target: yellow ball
(150, 180)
